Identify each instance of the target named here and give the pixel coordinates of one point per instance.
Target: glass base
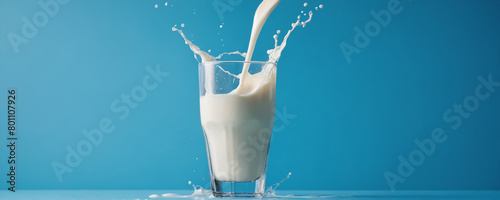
(239, 189)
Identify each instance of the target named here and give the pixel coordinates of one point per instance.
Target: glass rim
(250, 62)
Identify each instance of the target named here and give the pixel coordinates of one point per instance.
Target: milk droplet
(321, 6)
(221, 26)
(221, 39)
(208, 51)
(182, 25)
(189, 182)
(154, 196)
(316, 7)
(305, 4)
(289, 173)
(278, 32)
(301, 11)
(156, 5)
(275, 37)
(166, 3)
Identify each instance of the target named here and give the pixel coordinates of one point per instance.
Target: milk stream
(260, 18)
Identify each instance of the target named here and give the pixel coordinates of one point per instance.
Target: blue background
(352, 120)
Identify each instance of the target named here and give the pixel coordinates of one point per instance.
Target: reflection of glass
(237, 122)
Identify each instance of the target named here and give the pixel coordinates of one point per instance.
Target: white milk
(238, 128)
(238, 125)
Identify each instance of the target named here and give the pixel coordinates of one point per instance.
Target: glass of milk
(237, 119)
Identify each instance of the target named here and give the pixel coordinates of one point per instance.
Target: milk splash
(205, 57)
(274, 54)
(271, 190)
(202, 193)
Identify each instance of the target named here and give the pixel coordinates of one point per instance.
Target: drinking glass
(237, 121)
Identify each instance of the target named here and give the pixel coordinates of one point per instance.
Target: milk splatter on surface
(270, 193)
